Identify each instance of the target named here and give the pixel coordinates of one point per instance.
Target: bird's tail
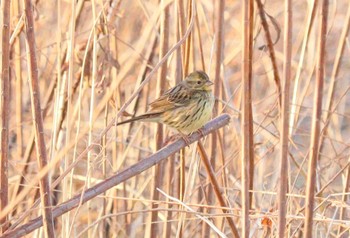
(145, 117)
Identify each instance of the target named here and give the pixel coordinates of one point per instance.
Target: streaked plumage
(185, 107)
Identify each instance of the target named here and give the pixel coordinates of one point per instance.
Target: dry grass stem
(72, 70)
(246, 126)
(283, 186)
(40, 144)
(316, 125)
(5, 110)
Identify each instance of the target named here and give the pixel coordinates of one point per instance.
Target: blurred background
(93, 56)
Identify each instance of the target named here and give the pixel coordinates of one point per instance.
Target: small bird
(185, 107)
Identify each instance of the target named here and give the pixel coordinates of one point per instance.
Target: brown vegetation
(274, 163)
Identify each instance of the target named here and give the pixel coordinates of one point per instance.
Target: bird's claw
(185, 138)
(176, 137)
(200, 130)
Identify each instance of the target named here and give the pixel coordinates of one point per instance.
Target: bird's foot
(176, 137)
(185, 138)
(168, 140)
(200, 130)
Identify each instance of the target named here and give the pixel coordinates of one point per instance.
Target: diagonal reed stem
(216, 187)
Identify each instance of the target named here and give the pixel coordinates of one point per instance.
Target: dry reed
(279, 168)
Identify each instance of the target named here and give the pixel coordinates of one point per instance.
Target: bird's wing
(178, 96)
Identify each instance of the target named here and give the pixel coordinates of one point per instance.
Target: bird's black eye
(198, 82)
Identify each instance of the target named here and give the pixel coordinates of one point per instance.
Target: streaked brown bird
(185, 107)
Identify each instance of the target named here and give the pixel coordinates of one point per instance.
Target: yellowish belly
(192, 117)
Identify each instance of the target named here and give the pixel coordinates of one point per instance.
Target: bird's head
(198, 80)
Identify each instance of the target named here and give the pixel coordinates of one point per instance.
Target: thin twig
(161, 85)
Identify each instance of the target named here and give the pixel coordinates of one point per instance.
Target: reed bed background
(278, 168)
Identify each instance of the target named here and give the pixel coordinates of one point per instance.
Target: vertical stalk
(91, 113)
(61, 105)
(219, 32)
(16, 52)
(188, 45)
(283, 185)
(169, 176)
(161, 83)
(104, 142)
(65, 220)
(38, 121)
(18, 72)
(247, 124)
(182, 29)
(5, 109)
(249, 94)
(218, 60)
(179, 16)
(316, 119)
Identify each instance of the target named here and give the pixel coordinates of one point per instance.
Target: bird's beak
(209, 83)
